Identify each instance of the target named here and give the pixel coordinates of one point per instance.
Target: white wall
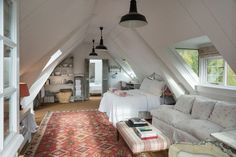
(146, 48)
(82, 51)
(128, 44)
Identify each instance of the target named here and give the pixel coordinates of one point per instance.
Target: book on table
(130, 124)
(146, 132)
(138, 121)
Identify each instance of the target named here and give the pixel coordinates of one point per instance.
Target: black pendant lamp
(133, 19)
(93, 53)
(101, 46)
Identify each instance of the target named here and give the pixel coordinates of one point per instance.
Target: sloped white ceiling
(216, 19)
(47, 24)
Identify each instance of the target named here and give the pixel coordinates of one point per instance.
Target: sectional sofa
(193, 118)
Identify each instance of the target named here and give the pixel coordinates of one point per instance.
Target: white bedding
(121, 108)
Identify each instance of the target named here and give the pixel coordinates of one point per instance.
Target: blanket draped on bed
(121, 108)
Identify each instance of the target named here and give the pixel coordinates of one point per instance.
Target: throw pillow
(224, 114)
(202, 108)
(185, 103)
(152, 86)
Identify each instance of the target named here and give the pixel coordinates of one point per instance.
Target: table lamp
(24, 91)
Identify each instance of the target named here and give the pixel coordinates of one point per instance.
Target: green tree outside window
(190, 56)
(231, 77)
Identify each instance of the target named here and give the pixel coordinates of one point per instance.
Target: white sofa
(193, 118)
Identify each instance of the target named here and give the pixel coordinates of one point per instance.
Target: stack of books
(146, 132)
(136, 122)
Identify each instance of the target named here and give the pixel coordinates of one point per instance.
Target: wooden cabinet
(80, 88)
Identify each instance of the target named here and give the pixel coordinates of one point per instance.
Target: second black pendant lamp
(93, 53)
(101, 46)
(133, 19)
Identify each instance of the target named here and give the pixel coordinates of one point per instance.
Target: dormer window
(209, 65)
(216, 71)
(190, 57)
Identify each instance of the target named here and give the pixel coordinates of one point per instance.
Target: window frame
(202, 69)
(184, 62)
(203, 73)
(13, 138)
(194, 78)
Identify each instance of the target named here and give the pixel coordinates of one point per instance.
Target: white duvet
(121, 108)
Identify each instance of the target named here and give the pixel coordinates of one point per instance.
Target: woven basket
(64, 97)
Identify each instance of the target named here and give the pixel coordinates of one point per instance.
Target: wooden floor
(92, 103)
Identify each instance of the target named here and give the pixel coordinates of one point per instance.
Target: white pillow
(145, 84)
(185, 103)
(152, 86)
(224, 114)
(202, 107)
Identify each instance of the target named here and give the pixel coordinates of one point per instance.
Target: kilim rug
(76, 134)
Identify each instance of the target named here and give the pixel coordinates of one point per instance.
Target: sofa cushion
(224, 114)
(170, 116)
(184, 103)
(202, 107)
(199, 128)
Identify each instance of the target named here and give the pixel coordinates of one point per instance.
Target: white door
(10, 139)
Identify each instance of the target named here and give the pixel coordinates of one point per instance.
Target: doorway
(95, 77)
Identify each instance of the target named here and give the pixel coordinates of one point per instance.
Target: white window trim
(194, 77)
(54, 57)
(10, 146)
(203, 74)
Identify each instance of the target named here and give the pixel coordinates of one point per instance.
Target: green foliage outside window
(231, 77)
(190, 56)
(215, 71)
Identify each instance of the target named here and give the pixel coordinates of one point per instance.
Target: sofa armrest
(203, 150)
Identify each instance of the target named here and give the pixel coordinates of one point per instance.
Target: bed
(95, 88)
(120, 108)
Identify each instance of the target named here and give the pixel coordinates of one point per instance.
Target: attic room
(108, 78)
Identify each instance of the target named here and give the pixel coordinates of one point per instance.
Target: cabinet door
(86, 79)
(105, 71)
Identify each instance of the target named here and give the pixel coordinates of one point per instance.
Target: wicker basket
(64, 97)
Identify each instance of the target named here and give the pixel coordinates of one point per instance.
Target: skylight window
(56, 55)
(190, 57)
(209, 65)
(128, 69)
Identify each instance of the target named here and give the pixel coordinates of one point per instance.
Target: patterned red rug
(76, 134)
